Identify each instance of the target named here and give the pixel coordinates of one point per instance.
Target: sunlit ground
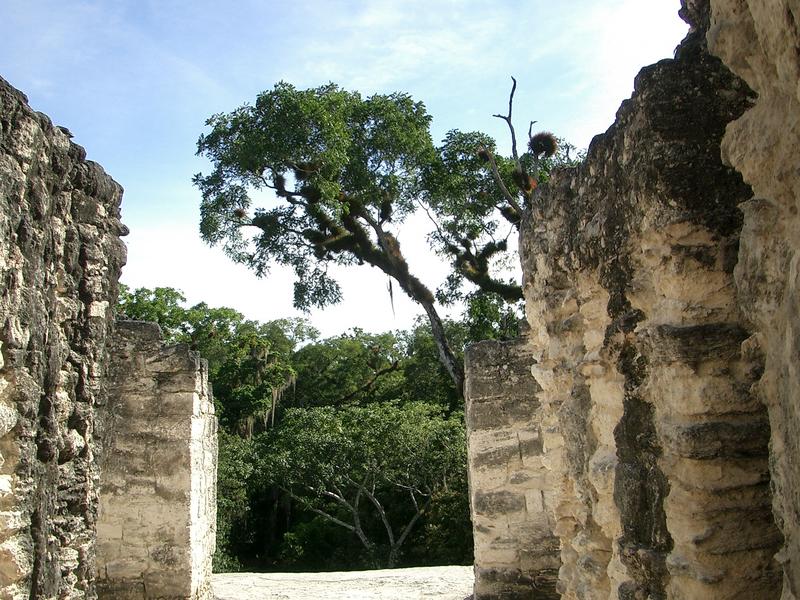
(442, 583)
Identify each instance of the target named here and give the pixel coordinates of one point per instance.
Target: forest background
(310, 428)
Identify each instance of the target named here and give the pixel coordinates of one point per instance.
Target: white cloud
(386, 45)
(622, 37)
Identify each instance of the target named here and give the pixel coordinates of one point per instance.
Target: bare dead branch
(507, 119)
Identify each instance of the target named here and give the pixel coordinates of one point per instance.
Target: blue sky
(134, 80)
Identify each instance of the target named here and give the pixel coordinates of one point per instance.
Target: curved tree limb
(501, 184)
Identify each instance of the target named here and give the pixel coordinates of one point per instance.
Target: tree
(343, 169)
(160, 305)
(352, 368)
(351, 465)
(476, 198)
(235, 466)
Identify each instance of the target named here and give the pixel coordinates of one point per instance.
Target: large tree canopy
(352, 463)
(310, 178)
(342, 168)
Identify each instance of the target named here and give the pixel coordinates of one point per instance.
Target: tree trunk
(446, 356)
(416, 290)
(392, 560)
(388, 257)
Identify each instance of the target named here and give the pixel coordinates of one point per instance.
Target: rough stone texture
(662, 487)
(760, 41)
(510, 447)
(60, 259)
(157, 523)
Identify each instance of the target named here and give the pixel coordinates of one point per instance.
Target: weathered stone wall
(156, 528)
(60, 259)
(760, 42)
(152, 421)
(643, 354)
(512, 441)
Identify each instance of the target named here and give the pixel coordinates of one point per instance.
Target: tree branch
(316, 510)
(522, 179)
(382, 513)
(283, 192)
(432, 220)
(507, 119)
(338, 499)
(500, 183)
(377, 375)
(407, 529)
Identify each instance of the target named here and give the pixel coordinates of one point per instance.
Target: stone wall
(511, 443)
(642, 305)
(156, 528)
(60, 259)
(760, 42)
(152, 422)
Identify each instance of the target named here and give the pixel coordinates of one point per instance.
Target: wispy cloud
(386, 44)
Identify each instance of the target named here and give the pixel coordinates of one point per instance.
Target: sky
(135, 81)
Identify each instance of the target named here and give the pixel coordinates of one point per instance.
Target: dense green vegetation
(306, 178)
(347, 452)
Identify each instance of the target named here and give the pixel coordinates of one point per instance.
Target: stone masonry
(60, 259)
(760, 42)
(516, 552)
(156, 528)
(638, 336)
(662, 299)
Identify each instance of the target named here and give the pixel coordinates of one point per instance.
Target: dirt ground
(442, 583)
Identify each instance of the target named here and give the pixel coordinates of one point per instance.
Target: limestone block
(757, 40)
(156, 530)
(516, 552)
(654, 441)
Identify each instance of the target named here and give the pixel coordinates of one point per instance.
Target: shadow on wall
(660, 346)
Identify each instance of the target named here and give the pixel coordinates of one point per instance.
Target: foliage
(392, 378)
(344, 172)
(339, 161)
(489, 317)
(159, 305)
(352, 465)
(476, 200)
(249, 362)
(424, 377)
(356, 367)
(234, 478)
